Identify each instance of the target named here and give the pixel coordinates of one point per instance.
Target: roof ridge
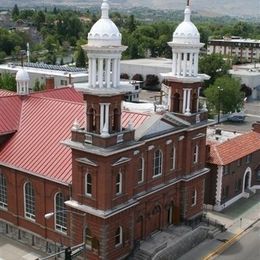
(51, 90)
(57, 99)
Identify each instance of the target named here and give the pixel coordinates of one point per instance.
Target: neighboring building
(249, 74)
(123, 174)
(246, 50)
(53, 76)
(151, 66)
(234, 162)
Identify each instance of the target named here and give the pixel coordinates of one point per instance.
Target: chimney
(49, 83)
(256, 127)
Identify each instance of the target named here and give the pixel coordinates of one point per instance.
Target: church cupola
(104, 93)
(104, 51)
(22, 82)
(184, 82)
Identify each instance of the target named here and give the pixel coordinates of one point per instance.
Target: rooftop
(223, 152)
(40, 123)
(52, 70)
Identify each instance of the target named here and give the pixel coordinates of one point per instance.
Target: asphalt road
(248, 247)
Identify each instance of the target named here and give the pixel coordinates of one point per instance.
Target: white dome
(22, 75)
(186, 32)
(104, 32)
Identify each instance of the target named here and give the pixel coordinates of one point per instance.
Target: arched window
(196, 154)
(3, 192)
(92, 120)
(173, 158)
(119, 236)
(176, 103)
(140, 170)
(157, 163)
(115, 121)
(88, 237)
(194, 103)
(88, 184)
(29, 201)
(61, 213)
(119, 183)
(194, 197)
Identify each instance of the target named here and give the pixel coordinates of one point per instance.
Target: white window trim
(28, 215)
(194, 195)
(160, 164)
(120, 236)
(141, 169)
(119, 184)
(196, 154)
(58, 227)
(4, 205)
(86, 184)
(173, 158)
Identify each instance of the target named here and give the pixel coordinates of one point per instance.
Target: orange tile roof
(234, 149)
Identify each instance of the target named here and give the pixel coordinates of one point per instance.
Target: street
(248, 247)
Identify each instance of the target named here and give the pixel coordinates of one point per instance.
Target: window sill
(157, 176)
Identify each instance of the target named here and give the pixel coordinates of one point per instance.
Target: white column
(118, 72)
(188, 102)
(190, 64)
(90, 71)
(174, 62)
(179, 64)
(184, 100)
(101, 117)
(114, 71)
(219, 188)
(104, 119)
(185, 64)
(108, 71)
(100, 72)
(94, 72)
(196, 61)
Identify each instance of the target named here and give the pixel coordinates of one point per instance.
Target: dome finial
(187, 12)
(105, 9)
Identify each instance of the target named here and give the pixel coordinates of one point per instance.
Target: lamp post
(219, 102)
(68, 251)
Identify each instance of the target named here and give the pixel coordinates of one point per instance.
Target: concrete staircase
(142, 255)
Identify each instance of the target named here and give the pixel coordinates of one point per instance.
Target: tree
(8, 82)
(225, 95)
(213, 65)
(80, 58)
(15, 12)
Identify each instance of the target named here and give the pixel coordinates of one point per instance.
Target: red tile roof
(234, 149)
(43, 124)
(10, 111)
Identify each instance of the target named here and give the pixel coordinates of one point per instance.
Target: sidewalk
(237, 219)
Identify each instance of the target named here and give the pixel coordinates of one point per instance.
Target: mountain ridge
(220, 7)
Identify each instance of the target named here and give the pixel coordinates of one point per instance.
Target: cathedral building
(75, 168)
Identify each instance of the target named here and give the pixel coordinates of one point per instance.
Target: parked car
(237, 117)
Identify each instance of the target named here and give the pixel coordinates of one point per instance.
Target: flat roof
(252, 69)
(51, 71)
(149, 62)
(236, 40)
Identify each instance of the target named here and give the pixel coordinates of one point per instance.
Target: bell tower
(104, 92)
(184, 82)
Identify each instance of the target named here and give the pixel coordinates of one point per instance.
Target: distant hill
(204, 7)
